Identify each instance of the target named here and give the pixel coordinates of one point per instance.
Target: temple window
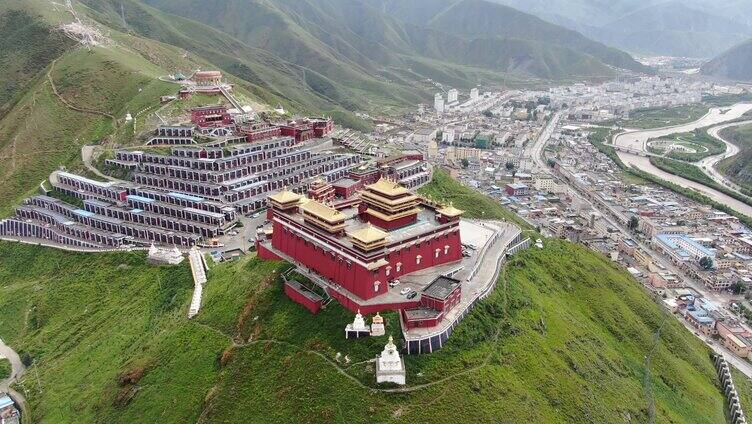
(417, 259)
(399, 266)
(436, 252)
(388, 270)
(446, 249)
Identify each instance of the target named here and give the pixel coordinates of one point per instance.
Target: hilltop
(562, 339)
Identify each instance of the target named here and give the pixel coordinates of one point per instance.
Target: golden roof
(285, 196)
(369, 234)
(390, 188)
(450, 211)
(320, 210)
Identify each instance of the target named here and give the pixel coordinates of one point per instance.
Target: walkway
(198, 270)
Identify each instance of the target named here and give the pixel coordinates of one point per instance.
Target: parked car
(412, 295)
(394, 283)
(255, 215)
(405, 291)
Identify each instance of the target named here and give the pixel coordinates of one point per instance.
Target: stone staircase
(198, 269)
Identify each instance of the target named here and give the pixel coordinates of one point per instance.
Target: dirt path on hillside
(70, 105)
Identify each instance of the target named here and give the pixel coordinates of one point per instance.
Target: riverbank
(637, 141)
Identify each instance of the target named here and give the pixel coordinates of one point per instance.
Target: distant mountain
(374, 35)
(735, 63)
(695, 28)
(673, 29)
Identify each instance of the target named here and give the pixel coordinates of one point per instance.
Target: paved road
(87, 154)
(637, 140)
(17, 371)
(17, 367)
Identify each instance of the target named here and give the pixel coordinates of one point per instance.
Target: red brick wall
(296, 296)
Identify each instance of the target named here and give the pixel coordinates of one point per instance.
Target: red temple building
(388, 205)
(321, 191)
(211, 116)
(208, 78)
(260, 130)
(307, 129)
(354, 253)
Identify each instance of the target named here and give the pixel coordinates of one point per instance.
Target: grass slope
(443, 188)
(41, 132)
(739, 166)
(27, 46)
(5, 368)
(563, 339)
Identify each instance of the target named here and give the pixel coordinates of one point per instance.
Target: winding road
(17, 371)
(637, 140)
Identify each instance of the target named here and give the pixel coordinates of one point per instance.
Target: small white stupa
(358, 328)
(158, 255)
(377, 325)
(128, 117)
(389, 366)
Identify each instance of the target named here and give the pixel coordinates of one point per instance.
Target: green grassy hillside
(739, 166)
(27, 45)
(733, 64)
(331, 36)
(564, 338)
(42, 132)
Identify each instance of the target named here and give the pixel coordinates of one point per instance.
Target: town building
(9, 414)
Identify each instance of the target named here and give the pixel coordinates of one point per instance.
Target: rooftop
(441, 287)
(369, 234)
(320, 210)
(389, 188)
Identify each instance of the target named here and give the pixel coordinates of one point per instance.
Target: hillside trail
(343, 371)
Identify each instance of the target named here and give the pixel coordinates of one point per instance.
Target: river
(637, 140)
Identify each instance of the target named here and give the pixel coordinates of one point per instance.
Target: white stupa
(389, 366)
(358, 328)
(128, 117)
(377, 325)
(160, 255)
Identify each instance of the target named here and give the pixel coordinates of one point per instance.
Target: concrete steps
(198, 270)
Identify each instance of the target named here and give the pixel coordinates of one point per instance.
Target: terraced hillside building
(181, 198)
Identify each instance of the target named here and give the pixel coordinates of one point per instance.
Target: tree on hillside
(706, 263)
(465, 163)
(633, 223)
(509, 165)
